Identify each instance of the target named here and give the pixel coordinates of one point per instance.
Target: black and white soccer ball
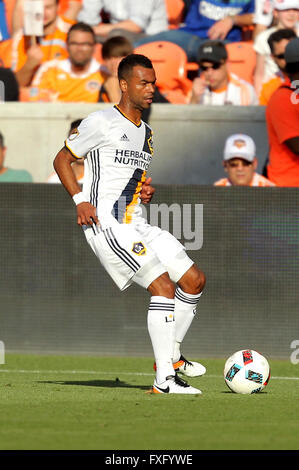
(246, 372)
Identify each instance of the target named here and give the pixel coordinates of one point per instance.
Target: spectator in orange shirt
(240, 163)
(75, 79)
(282, 117)
(27, 53)
(277, 42)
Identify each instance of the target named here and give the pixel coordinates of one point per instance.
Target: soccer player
(27, 53)
(117, 147)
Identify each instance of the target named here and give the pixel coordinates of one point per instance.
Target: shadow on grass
(116, 383)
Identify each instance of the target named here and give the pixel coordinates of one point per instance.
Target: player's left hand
(147, 191)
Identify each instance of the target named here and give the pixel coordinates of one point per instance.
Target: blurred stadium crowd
(205, 52)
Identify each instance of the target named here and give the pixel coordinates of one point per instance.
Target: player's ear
(123, 85)
(254, 163)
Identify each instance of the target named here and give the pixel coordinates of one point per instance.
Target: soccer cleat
(188, 368)
(174, 384)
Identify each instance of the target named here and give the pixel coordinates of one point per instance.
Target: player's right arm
(86, 212)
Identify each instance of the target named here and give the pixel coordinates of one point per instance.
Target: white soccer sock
(184, 311)
(161, 328)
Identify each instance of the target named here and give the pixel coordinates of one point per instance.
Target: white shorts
(138, 253)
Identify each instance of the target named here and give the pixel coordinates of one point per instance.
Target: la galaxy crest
(139, 248)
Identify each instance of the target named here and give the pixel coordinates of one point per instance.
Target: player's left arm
(86, 212)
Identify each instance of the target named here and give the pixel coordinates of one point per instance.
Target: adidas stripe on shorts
(138, 253)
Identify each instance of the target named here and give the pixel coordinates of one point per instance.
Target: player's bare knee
(162, 286)
(193, 282)
(200, 283)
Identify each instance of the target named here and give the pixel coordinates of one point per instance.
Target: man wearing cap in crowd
(216, 85)
(240, 163)
(278, 42)
(285, 15)
(282, 117)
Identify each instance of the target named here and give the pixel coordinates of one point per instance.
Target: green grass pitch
(102, 403)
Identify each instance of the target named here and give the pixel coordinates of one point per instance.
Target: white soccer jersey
(117, 155)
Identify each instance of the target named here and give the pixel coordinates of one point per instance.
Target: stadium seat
(174, 10)
(170, 62)
(241, 59)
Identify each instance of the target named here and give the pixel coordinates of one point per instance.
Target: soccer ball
(246, 372)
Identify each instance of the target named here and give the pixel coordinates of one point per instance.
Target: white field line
(99, 373)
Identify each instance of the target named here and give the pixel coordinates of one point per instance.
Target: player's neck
(131, 112)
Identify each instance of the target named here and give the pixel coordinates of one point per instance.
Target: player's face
(240, 172)
(278, 53)
(80, 47)
(214, 74)
(140, 87)
(50, 12)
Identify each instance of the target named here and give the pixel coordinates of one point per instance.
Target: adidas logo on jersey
(125, 138)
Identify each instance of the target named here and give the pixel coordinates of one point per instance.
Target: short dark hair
(80, 26)
(280, 34)
(1, 140)
(132, 60)
(117, 46)
(74, 125)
